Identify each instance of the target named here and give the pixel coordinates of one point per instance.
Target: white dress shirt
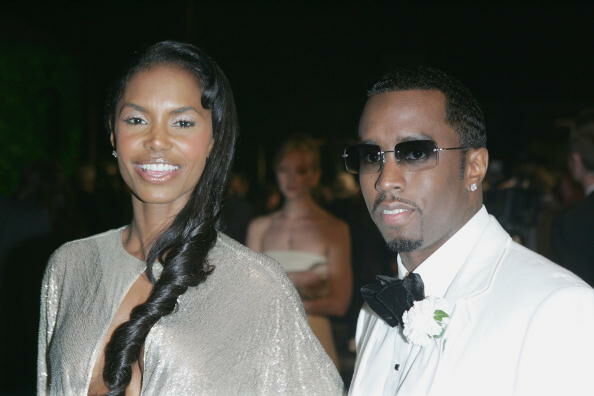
(384, 357)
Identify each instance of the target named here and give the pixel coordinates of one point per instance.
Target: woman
(166, 305)
(312, 245)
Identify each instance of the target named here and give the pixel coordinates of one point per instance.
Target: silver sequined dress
(241, 332)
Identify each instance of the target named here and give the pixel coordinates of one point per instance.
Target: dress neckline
(120, 244)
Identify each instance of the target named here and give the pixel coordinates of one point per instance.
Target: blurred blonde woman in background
(310, 244)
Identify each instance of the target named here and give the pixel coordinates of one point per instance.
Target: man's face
(416, 211)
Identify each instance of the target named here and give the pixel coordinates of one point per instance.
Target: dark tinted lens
(362, 158)
(416, 152)
(369, 155)
(351, 159)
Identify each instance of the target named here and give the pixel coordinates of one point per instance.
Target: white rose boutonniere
(426, 320)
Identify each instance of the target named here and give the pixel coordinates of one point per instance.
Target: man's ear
(477, 161)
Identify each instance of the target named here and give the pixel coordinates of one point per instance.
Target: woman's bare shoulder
(263, 222)
(257, 230)
(332, 222)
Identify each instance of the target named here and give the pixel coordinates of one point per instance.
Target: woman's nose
(158, 139)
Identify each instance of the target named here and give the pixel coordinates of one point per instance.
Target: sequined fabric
(242, 332)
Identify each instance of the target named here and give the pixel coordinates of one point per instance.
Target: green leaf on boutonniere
(439, 315)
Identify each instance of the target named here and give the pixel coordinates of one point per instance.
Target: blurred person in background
(517, 201)
(370, 254)
(311, 245)
(167, 304)
(237, 210)
(572, 235)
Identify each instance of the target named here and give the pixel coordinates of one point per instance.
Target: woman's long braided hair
(183, 247)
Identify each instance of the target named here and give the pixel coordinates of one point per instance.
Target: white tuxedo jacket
(521, 326)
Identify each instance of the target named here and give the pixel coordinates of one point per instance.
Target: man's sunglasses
(412, 155)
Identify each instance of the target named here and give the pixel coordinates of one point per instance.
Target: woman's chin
(294, 194)
(162, 199)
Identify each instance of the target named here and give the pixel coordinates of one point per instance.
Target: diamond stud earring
(473, 187)
(114, 153)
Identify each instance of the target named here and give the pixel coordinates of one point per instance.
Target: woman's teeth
(158, 167)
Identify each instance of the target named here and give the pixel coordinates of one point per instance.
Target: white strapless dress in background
(297, 261)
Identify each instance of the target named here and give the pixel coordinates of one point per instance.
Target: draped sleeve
(47, 320)
(293, 360)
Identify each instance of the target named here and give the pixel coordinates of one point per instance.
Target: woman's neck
(299, 207)
(149, 221)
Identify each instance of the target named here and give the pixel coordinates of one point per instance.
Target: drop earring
(473, 187)
(114, 153)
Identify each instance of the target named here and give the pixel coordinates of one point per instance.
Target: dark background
(302, 67)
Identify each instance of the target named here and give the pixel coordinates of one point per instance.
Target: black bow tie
(390, 297)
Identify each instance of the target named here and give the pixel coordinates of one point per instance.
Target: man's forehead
(395, 138)
(398, 116)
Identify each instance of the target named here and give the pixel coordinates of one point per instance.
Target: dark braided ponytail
(183, 247)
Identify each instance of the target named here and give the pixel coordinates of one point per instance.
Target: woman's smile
(158, 171)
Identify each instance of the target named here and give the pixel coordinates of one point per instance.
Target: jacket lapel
(471, 283)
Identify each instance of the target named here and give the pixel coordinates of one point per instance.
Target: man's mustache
(383, 196)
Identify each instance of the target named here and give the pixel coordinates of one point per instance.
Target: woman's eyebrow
(144, 110)
(184, 109)
(134, 106)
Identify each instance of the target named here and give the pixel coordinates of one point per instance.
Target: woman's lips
(156, 172)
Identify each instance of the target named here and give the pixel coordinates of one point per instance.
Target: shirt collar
(439, 269)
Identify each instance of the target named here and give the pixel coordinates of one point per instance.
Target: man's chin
(404, 245)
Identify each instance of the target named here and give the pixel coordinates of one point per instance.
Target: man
(499, 319)
(573, 232)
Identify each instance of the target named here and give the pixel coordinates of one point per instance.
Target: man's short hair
(582, 138)
(463, 112)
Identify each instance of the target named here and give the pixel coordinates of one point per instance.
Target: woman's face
(162, 135)
(296, 174)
